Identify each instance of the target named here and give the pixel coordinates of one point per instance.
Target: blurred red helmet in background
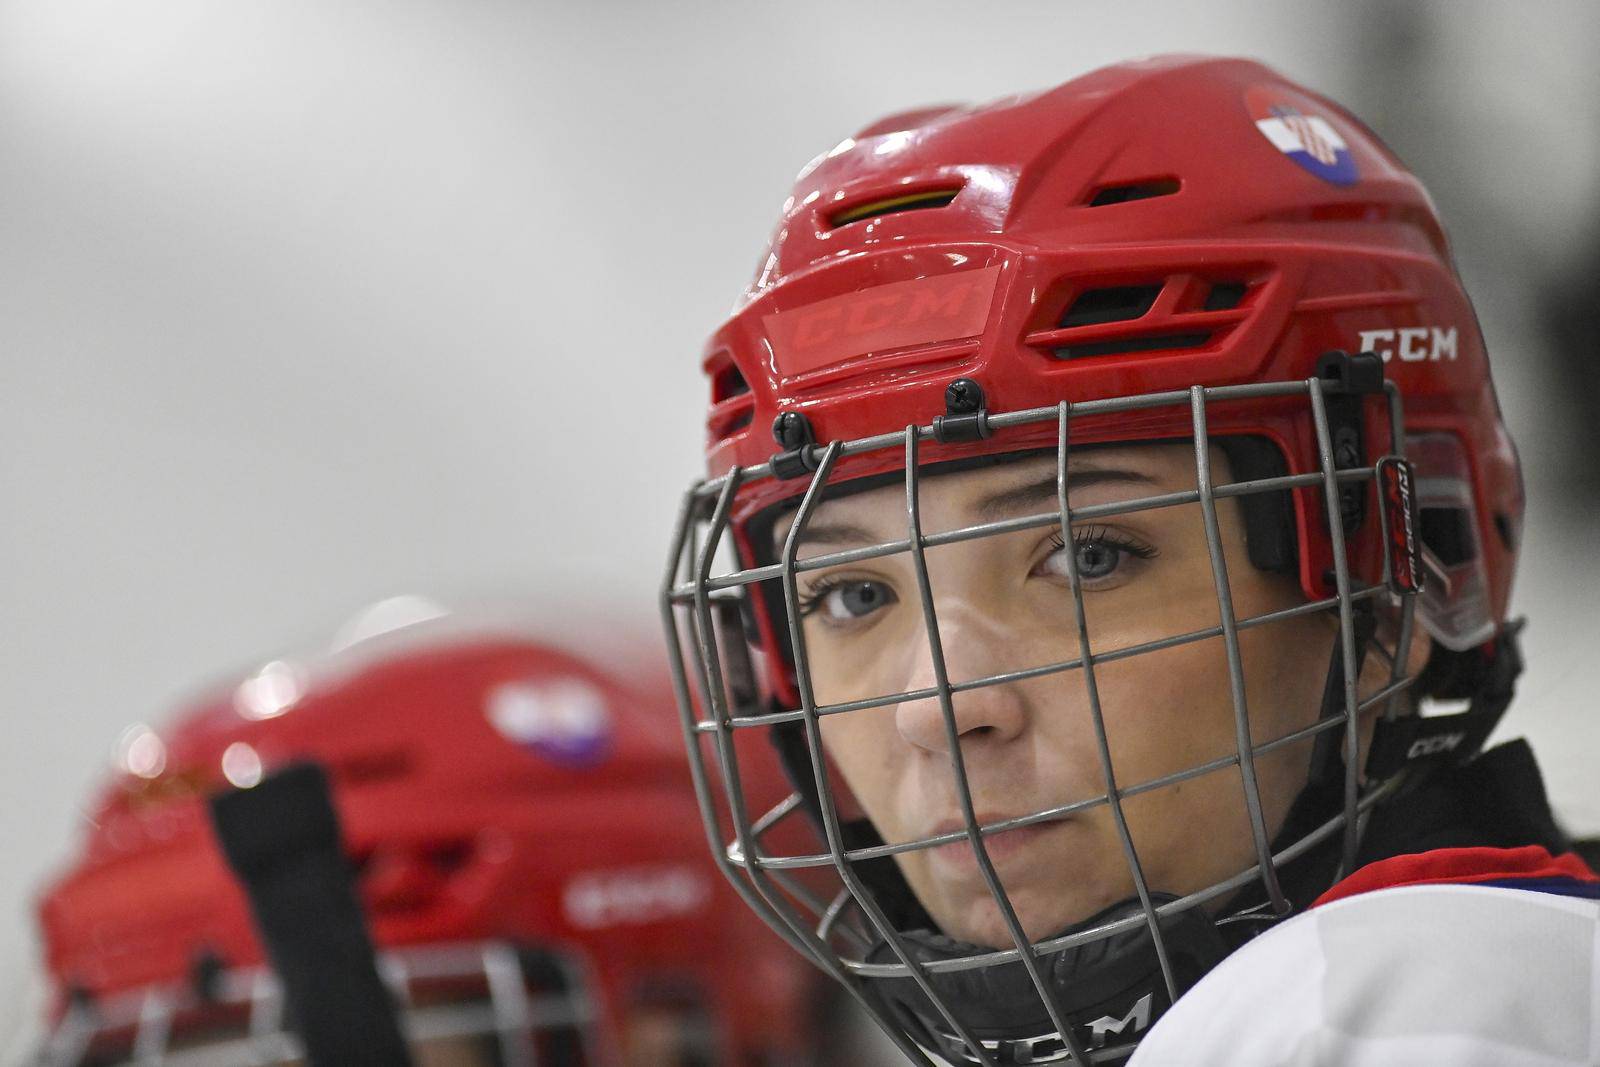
(509, 807)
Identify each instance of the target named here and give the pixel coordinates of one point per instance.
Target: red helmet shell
(958, 242)
(473, 813)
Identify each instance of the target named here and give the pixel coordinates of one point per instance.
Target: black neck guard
(1110, 988)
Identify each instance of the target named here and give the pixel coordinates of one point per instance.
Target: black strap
(282, 839)
(1327, 752)
(1411, 740)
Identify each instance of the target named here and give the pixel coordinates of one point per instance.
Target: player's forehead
(990, 492)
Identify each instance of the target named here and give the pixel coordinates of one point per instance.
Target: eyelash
(1083, 535)
(812, 599)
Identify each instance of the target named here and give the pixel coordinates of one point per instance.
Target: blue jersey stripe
(1565, 887)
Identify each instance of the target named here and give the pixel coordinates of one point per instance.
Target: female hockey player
(1101, 484)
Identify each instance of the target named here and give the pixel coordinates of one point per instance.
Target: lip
(957, 858)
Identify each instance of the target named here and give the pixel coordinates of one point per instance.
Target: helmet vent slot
(732, 404)
(1155, 342)
(727, 383)
(1112, 304)
(892, 205)
(1145, 190)
(1448, 534)
(1224, 296)
(738, 421)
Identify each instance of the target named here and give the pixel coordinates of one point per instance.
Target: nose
(974, 646)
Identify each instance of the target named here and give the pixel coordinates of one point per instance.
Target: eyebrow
(994, 506)
(1008, 501)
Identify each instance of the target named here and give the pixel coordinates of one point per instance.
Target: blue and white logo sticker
(1304, 136)
(565, 720)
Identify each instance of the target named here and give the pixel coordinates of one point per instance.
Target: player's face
(1003, 604)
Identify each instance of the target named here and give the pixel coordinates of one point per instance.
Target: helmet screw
(792, 430)
(963, 397)
(964, 418)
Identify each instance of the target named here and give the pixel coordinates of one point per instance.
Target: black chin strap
(1110, 989)
(1452, 739)
(1327, 752)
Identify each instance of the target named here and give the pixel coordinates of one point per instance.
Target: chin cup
(1110, 988)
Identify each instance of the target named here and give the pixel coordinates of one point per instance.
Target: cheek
(854, 664)
(866, 760)
(1166, 711)
(1173, 709)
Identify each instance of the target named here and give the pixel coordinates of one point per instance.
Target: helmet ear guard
(1268, 517)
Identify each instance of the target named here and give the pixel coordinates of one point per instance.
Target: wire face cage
(1084, 994)
(513, 1007)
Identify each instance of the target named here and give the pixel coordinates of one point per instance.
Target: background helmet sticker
(1302, 135)
(599, 899)
(564, 720)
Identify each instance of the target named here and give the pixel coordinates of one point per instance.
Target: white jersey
(1416, 976)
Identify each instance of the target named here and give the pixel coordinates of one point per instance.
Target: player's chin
(1042, 870)
(1044, 911)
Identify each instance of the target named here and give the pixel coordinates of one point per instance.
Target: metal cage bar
(1116, 405)
(1092, 692)
(1196, 899)
(509, 995)
(1230, 640)
(863, 896)
(145, 1016)
(686, 592)
(704, 632)
(796, 938)
(869, 852)
(1347, 628)
(958, 767)
(1309, 608)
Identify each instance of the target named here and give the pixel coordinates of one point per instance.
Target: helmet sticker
(1304, 136)
(565, 720)
(600, 899)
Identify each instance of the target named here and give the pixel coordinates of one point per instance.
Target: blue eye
(847, 599)
(1098, 553)
(1096, 559)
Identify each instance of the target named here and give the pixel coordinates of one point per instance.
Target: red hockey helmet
(511, 808)
(1177, 248)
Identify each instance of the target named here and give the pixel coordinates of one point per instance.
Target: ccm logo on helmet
(1433, 746)
(897, 315)
(1413, 344)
